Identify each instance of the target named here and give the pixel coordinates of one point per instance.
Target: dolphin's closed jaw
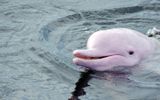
(100, 64)
(82, 56)
(94, 63)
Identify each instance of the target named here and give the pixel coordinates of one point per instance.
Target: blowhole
(150, 35)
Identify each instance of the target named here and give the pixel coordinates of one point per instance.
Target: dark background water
(37, 38)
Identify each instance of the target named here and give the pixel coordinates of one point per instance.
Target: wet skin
(115, 47)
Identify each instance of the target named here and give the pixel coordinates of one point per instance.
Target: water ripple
(37, 39)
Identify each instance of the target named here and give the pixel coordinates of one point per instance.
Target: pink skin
(112, 48)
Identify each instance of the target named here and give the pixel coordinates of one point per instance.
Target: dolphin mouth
(86, 57)
(92, 58)
(93, 54)
(97, 60)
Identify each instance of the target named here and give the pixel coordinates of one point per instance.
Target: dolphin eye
(131, 52)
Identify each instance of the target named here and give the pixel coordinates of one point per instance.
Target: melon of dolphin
(115, 47)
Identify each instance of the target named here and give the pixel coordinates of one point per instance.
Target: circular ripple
(71, 32)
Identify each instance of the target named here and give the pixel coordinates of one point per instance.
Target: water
(37, 38)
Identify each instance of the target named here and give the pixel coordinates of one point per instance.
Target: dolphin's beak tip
(76, 53)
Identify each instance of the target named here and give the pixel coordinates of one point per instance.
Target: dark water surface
(37, 38)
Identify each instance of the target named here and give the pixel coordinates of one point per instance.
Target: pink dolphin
(113, 48)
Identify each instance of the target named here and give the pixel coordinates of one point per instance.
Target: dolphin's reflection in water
(85, 77)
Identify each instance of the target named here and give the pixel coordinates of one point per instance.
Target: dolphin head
(113, 48)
